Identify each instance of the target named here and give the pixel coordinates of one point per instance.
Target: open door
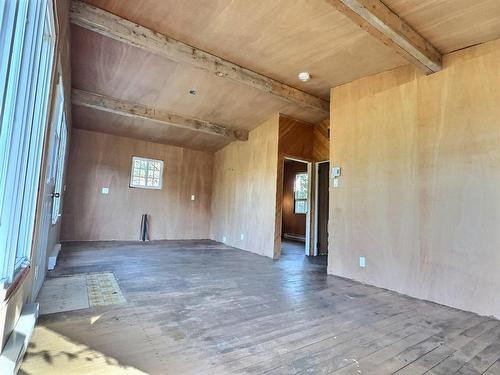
(323, 208)
(52, 188)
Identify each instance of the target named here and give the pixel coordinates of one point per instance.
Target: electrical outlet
(362, 262)
(105, 190)
(335, 182)
(242, 236)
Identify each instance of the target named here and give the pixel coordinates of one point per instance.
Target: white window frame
(295, 199)
(27, 34)
(148, 161)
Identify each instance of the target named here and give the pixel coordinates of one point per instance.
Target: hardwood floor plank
(199, 307)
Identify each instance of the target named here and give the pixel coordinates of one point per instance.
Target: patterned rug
(103, 289)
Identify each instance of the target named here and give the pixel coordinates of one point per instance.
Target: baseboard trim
(53, 256)
(294, 237)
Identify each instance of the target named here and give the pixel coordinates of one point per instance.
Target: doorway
(322, 208)
(295, 206)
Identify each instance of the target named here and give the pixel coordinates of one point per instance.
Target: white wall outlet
(362, 262)
(242, 236)
(105, 190)
(223, 239)
(192, 197)
(335, 182)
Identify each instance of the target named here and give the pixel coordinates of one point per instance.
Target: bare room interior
(250, 187)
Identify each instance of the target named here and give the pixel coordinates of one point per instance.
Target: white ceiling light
(304, 76)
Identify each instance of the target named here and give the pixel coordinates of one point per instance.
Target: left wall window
(27, 38)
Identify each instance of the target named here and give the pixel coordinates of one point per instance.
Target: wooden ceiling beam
(376, 18)
(115, 27)
(139, 111)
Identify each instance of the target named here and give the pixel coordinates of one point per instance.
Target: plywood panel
(244, 191)
(418, 194)
(321, 141)
(296, 138)
(99, 160)
(451, 24)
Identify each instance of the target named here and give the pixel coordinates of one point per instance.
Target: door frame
(316, 194)
(279, 204)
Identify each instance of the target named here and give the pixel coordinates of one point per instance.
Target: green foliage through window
(301, 192)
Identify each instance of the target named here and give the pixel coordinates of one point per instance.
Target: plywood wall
(419, 192)
(99, 160)
(244, 191)
(303, 140)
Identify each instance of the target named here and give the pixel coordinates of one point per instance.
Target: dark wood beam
(115, 27)
(125, 108)
(380, 21)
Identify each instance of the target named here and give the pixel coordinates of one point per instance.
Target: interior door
(323, 207)
(49, 195)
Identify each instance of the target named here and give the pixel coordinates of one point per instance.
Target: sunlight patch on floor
(51, 353)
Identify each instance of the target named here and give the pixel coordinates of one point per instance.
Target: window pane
(301, 186)
(301, 207)
(25, 73)
(146, 173)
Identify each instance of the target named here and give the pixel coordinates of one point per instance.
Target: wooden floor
(198, 307)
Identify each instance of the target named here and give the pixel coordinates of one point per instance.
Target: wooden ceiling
(278, 39)
(451, 24)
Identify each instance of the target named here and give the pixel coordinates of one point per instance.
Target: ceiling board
(104, 122)
(108, 67)
(451, 25)
(276, 38)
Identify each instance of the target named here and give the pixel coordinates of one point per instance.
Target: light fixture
(304, 76)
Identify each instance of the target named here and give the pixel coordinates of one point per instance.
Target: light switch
(224, 239)
(192, 197)
(335, 182)
(105, 190)
(362, 262)
(335, 172)
(242, 236)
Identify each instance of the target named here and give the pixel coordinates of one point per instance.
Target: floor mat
(103, 289)
(64, 294)
(81, 291)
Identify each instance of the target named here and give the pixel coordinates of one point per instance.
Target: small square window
(146, 173)
(301, 193)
